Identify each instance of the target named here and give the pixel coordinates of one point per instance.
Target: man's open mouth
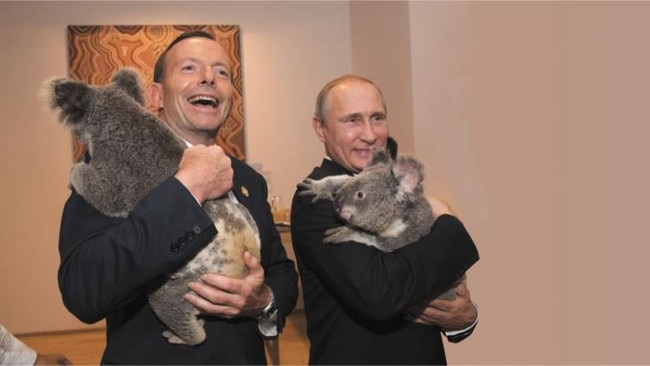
(204, 100)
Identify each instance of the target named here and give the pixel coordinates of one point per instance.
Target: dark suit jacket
(356, 296)
(107, 263)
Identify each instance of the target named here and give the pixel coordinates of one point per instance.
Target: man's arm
(106, 261)
(230, 297)
(376, 284)
(457, 318)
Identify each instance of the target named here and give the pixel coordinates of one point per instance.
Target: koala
(383, 206)
(132, 151)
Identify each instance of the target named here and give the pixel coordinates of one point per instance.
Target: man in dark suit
(364, 306)
(108, 263)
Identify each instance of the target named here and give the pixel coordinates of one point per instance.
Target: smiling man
(350, 121)
(192, 88)
(364, 306)
(109, 264)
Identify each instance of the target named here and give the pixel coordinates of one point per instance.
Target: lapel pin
(244, 191)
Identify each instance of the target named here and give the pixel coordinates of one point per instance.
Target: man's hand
(229, 297)
(206, 171)
(449, 315)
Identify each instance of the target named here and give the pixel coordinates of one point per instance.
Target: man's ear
(319, 128)
(155, 95)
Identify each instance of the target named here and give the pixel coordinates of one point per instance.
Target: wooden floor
(85, 347)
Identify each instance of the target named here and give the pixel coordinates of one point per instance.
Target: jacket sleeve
(281, 276)
(372, 283)
(279, 271)
(458, 337)
(106, 262)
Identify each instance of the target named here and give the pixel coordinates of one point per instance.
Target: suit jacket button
(190, 235)
(197, 229)
(175, 247)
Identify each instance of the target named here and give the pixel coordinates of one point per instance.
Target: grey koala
(383, 206)
(132, 151)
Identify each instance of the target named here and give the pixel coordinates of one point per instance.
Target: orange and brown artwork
(95, 52)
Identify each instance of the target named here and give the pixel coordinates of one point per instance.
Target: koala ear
(409, 172)
(128, 80)
(71, 97)
(379, 156)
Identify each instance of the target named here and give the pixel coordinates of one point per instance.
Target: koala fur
(132, 151)
(382, 206)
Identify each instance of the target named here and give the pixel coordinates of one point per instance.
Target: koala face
(376, 199)
(371, 200)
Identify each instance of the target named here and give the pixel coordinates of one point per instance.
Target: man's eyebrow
(351, 115)
(224, 65)
(196, 60)
(191, 59)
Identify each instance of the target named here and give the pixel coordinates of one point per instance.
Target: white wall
(381, 51)
(289, 50)
(532, 119)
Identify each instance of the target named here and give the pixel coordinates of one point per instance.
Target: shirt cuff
(268, 327)
(268, 323)
(452, 333)
(13, 351)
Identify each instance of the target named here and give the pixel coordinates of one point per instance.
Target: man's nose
(208, 78)
(368, 133)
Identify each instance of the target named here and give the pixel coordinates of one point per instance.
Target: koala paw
(342, 234)
(315, 188)
(448, 295)
(323, 188)
(172, 338)
(336, 235)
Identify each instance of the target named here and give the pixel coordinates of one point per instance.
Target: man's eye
(223, 73)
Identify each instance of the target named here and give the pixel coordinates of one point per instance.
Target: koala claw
(172, 338)
(448, 295)
(312, 188)
(336, 235)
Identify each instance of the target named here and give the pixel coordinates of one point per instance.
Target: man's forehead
(348, 101)
(197, 47)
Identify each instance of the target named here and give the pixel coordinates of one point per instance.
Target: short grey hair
(319, 112)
